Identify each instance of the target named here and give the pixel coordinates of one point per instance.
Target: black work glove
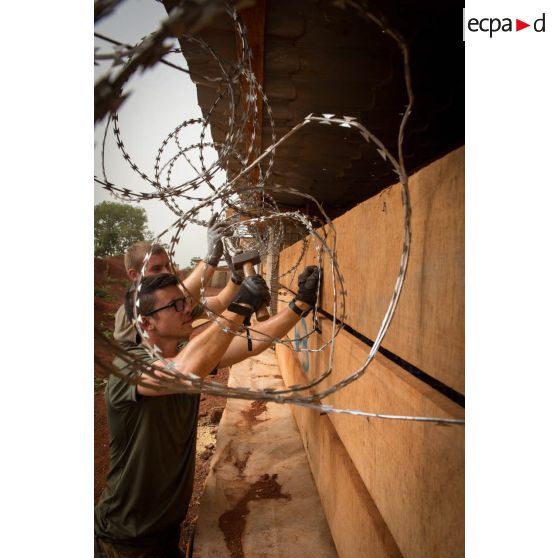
(237, 275)
(215, 233)
(253, 292)
(308, 283)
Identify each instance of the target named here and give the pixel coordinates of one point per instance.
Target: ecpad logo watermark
(493, 25)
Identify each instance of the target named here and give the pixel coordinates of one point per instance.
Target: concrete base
(260, 499)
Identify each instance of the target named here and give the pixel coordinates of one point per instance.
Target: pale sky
(161, 98)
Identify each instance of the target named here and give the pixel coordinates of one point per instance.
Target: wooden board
(428, 328)
(413, 471)
(356, 524)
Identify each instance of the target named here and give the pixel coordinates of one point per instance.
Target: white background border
(47, 283)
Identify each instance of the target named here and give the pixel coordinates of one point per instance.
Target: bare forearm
(220, 302)
(276, 327)
(203, 353)
(200, 356)
(194, 280)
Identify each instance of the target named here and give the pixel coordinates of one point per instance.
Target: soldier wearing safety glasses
(153, 429)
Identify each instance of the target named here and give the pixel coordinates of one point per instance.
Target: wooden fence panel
(412, 472)
(428, 328)
(356, 525)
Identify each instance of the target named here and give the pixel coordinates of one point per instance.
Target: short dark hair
(149, 285)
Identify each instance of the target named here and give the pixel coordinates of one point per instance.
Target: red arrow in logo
(519, 25)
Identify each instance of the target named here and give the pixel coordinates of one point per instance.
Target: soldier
(153, 431)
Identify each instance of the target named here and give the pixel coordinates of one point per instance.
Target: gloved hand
(308, 283)
(215, 233)
(237, 275)
(253, 292)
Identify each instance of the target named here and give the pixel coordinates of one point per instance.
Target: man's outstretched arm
(217, 304)
(193, 282)
(200, 356)
(203, 353)
(206, 268)
(278, 325)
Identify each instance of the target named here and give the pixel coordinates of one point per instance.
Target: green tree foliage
(118, 225)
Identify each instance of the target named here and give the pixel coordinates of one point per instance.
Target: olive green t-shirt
(152, 450)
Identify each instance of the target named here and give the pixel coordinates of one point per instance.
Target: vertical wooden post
(254, 21)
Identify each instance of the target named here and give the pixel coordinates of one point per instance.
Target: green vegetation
(115, 281)
(117, 225)
(100, 384)
(104, 293)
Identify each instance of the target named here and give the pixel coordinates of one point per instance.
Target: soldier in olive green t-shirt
(153, 446)
(153, 425)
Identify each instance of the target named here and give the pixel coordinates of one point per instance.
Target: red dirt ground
(110, 285)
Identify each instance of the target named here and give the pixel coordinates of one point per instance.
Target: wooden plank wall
(408, 492)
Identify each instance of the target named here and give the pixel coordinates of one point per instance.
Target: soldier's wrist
(300, 307)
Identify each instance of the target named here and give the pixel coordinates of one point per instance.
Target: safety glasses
(178, 304)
